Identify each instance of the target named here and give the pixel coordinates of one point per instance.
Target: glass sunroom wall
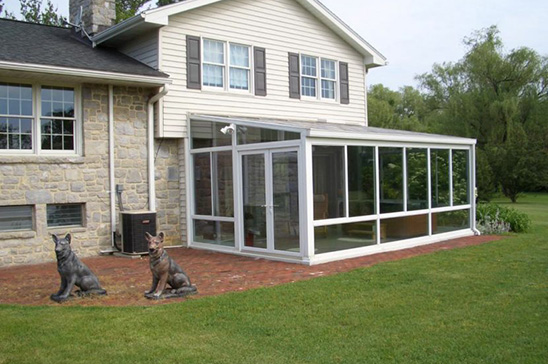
(440, 176)
(461, 180)
(328, 182)
(391, 179)
(361, 180)
(212, 184)
(417, 178)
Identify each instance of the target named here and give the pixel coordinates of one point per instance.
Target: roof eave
(86, 73)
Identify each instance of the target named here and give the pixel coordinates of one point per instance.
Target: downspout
(112, 188)
(111, 166)
(150, 147)
(473, 192)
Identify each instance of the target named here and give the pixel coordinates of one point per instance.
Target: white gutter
(150, 147)
(111, 165)
(82, 73)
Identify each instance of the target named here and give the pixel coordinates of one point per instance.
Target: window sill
(41, 159)
(12, 235)
(64, 229)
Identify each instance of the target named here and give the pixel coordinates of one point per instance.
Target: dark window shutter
(343, 74)
(193, 67)
(294, 76)
(259, 56)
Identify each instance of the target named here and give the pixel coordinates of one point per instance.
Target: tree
(126, 9)
(402, 109)
(497, 98)
(32, 12)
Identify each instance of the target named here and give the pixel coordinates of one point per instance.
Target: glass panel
(15, 99)
(328, 69)
(443, 222)
(202, 184)
(308, 86)
(214, 232)
(344, 236)
(239, 79)
(328, 179)
(223, 200)
(15, 133)
(3, 106)
(285, 183)
(404, 228)
(206, 134)
(461, 189)
(417, 179)
(439, 165)
(328, 89)
(391, 179)
(213, 75)
(361, 180)
(308, 66)
(250, 135)
(239, 55)
(54, 132)
(254, 197)
(15, 218)
(65, 215)
(214, 51)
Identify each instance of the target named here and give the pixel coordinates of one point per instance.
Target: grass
(482, 304)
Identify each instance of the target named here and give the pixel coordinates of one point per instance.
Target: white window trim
(318, 79)
(226, 66)
(36, 122)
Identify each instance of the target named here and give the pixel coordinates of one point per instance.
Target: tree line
(499, 98)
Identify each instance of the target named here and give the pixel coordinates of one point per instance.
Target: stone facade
(40, 180)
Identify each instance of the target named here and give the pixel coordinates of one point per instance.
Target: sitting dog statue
(165, 271)
(73, 272)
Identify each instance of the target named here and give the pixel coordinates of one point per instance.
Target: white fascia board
(434, 139)
(161, 15)
(372, 57)
(77, 72)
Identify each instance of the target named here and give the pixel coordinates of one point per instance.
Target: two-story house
(241, 124)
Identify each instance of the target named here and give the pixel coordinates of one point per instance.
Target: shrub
(495, 219)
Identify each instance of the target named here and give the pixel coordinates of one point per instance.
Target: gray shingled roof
(29, 43)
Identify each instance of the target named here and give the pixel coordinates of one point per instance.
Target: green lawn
(482, 304)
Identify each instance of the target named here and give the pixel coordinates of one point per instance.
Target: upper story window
(227, 66)
(311, 78)
(37, 119)
(318, 78)
(216, 61)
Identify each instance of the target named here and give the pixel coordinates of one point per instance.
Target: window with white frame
(37, 119)
(219, 56)
(320, 84)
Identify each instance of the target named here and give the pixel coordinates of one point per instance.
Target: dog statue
(165, 272)
(73, 272)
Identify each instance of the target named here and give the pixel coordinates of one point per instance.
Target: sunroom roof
(322, 129)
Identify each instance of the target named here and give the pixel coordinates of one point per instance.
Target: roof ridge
(31, 23)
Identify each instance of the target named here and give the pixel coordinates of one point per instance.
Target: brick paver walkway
(213, 273)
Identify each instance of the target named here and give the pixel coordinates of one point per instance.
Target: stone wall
(41, 180)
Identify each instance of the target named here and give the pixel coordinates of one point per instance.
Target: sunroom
(314, 192)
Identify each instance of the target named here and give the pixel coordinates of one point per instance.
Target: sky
(415, 34)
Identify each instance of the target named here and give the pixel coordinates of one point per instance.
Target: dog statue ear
(161, 236)
(54, 238)
(68, 237)
(147, 236)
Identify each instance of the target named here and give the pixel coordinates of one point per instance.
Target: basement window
(65, 215)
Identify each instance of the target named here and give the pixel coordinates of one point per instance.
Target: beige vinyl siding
(144, 49)
(279, 26)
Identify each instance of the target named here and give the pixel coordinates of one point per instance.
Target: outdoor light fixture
(229, 129)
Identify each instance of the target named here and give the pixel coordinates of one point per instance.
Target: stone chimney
(97, 15)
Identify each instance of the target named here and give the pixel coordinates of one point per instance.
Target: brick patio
(213, 273)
